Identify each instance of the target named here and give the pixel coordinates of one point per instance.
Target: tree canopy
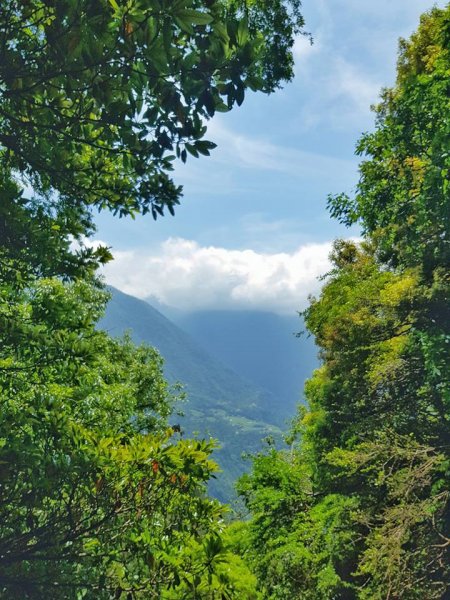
(99, 496)
(404, 188)
(360, 506)
(98, 97)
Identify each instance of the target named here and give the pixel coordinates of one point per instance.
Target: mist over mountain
(242, 371)
(220, 402)
(260, 346)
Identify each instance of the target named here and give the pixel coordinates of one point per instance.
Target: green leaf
(242, 32)
(192, 150)
(194, 16)
(239, 94)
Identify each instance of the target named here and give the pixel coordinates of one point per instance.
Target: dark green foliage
(39, 235)
(99, 98)
(95, 493)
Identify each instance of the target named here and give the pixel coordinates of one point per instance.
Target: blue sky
(253, 230)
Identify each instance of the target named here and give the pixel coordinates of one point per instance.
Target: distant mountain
(170, 312)
(260, 346)
(221, 403)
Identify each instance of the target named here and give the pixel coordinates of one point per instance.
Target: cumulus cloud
(183, 274)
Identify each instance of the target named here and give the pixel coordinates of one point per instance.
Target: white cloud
(185, 275)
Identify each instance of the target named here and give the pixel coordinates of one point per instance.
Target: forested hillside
(217, 402)
(360, 507)
(260, 346)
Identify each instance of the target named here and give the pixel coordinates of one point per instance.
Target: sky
(252, 231)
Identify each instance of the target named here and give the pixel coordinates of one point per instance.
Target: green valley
(219, 403)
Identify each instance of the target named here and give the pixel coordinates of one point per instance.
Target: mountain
(259, 346)
(220, 404)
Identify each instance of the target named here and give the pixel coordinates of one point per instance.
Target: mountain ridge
(260, 346)
(220, 403)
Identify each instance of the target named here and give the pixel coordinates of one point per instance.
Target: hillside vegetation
(261, 346)
(216, 402)
(99, 497)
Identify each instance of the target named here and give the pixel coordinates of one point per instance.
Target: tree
(404, 188)
(377, 429)
(373, 444)
(98, 497)
(360, 507)
(98, 97)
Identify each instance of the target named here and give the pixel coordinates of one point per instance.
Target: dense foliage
(99, 97)
(99, 497)
(360, 508)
